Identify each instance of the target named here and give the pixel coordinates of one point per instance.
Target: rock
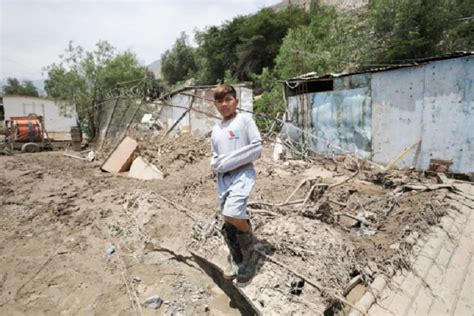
(365, 231)
(153, 302)
(372, 266)
(370, 215)
(136, 280)
(411, 239)
(367, 215)
(395, 246)
(296, 286)
(110, 249)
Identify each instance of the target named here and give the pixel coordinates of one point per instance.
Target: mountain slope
(342, 5)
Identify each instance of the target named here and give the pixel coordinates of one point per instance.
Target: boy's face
(227, 106)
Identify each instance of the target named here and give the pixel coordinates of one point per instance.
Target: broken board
(121, 158)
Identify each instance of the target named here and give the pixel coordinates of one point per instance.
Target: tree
(29, 88)
(216, 52)
(269, 46)
(461, 35)
(13, 86)
(270, 99)
(332, 42)
(411, 29)
(81, 78)
(178, 63)
(245, 45)
(261, 36)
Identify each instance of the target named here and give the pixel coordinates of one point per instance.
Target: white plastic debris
(91, 156)
(277, 149)
(146, 119)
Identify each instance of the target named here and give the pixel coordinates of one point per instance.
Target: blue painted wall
(343, 118)
(377, 115)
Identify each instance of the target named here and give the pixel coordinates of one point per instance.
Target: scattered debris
(74, 156)
(440, 165)
(277, 149)
(91, 156)
(320, 227)
(365, 231)
(86, 155)
(401, 155)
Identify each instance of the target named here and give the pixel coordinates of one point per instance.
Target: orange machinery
(26, 133)
(24, 129)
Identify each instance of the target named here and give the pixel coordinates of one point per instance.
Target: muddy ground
(76, 240)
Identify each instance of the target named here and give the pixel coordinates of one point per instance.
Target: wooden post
(103, 134)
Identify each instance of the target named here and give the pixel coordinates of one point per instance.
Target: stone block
(143, 170)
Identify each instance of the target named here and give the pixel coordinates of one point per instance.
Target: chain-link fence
(119, 113)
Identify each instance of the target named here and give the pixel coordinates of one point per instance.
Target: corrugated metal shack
(379, 113)
(194, 110)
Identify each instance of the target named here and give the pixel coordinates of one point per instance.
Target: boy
(236, 143)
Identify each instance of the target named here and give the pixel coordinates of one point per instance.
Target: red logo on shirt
(233, 133)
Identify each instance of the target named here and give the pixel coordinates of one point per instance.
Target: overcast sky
(35, 32)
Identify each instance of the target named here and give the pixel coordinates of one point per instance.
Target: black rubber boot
(249, 256)
(234, 259)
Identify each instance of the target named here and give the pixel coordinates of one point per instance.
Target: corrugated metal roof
(313, 76)
(170, 94)
(5, 96)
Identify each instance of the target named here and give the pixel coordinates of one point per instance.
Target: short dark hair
(221, 90)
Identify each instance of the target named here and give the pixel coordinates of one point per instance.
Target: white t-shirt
(235, 142)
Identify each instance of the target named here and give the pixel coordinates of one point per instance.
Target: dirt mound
(322, 220)
(173, 153)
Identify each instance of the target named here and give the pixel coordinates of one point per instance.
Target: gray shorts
(233, 189)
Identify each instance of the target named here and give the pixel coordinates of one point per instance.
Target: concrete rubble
(121, 158)
(140, 169)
